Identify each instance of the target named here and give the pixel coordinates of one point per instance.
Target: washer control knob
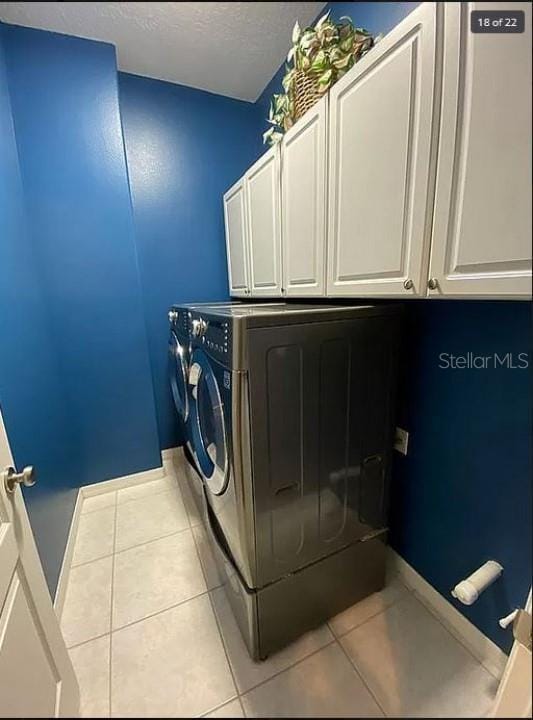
(199, 327)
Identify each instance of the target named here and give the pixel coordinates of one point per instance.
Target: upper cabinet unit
(263, 202)
(235, 221)
(303, 193)
(412, 178)
(481, 243)
(380, 148)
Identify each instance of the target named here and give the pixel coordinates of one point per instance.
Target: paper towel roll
(469, 589)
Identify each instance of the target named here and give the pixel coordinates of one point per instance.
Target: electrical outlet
(401, 440)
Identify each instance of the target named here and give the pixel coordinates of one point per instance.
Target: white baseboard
(171, 453)
(62, 583)
(122, 482)
(173, 458)
(479, 645)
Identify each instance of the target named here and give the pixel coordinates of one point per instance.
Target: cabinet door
(482, 224)
(303, 194)
(264, 224)
(236, 239)
(379, 172)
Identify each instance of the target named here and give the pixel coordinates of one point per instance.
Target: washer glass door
(208, 426)
(178, 375)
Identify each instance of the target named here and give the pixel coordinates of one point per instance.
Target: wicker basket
(306, 93)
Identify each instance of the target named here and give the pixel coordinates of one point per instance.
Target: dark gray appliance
(178, 363)
(179, 351)
(292, 415)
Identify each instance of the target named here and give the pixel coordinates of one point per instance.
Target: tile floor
(150, 632)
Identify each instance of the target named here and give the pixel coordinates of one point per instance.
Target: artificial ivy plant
(324, 53)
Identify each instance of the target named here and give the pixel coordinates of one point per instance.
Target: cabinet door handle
(433, 283)
(408, 284)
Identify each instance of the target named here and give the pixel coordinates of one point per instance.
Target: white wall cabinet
(263, 203)
(380, 148)
(411, 179)
(481, 241)
(235, 221)
(303, 194)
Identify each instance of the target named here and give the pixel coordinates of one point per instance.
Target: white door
(36, 676)
(237, 240)
(514, 694)
(263, 204)
(380, 131)
(303, 201)
(482, 225)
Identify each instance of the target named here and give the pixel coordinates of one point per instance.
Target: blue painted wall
(33, 404)
(185, 148)
(64, 95)
(97, 419)
(463, 493)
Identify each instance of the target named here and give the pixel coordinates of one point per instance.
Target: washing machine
(179, 352)
(178, 370)
(291, 421)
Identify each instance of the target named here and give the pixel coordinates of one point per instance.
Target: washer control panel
(179, 320)
(213, 335)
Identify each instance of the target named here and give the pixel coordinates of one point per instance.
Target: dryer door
(178, 375)
(208, 424)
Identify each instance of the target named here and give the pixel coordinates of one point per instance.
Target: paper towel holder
(468, 590)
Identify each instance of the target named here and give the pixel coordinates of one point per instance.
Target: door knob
(433, 283)
(12, 478)
(408, 284)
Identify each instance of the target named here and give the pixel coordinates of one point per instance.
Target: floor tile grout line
(147, 542)
(461, 642)
(436, 615)
(136, 622)
(360, 676)
(159, 612)
(171, 488)
(131, 547)
(189, 515)
(351, 661)
(285, 669)
(370, 617)
(217, 623)
(95, 510)
(110, 671)
(129, 487)
(217, 707)
(335, 640)
(204, 572)
(226, 652)
(86, 642)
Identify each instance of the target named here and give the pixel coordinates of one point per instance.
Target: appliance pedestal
(272, 617)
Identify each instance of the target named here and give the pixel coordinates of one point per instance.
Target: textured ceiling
(229, 48)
